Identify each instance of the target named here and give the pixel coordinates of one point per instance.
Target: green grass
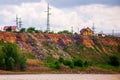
(29, 55)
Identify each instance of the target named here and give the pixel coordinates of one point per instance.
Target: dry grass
(34, 62)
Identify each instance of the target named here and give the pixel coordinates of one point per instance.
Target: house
(86, 31)
(100, 35)
(13, 28)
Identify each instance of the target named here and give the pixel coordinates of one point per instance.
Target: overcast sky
(105, 14)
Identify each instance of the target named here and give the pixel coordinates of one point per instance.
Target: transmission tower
(20, 23)
(113, 32)
(93, 28)
(48, 18)
(16, 20)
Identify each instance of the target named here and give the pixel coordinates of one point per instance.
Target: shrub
(53, 64)
(78, 62)
(10, 59)
(68, 63)
(61, 60)
(114, 60)
(118, 48)
(22, 62)
(57, 65)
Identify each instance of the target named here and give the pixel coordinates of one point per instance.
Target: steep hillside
(62, 45)
(50, 47)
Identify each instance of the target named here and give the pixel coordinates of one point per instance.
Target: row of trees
(32, 29)
(10, 59)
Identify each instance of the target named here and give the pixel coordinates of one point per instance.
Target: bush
(114, 60)
(66, 62)
(2, 60)
(61, 60)
(10, 59)
(22, 62)
(78, 62)
(57, 65)
(53, 64)
(118, 48)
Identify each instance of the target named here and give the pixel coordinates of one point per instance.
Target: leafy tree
(9, 29)
(22, 62)
(64, 32)
(10, 58)
(2, 60)
(22, 30)
(10, 63)
(31, 29)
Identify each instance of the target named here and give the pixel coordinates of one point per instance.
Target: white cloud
(33, 14)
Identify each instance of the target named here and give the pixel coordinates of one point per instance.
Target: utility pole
(93, 28)
(48, 19)
(78, 30)
(20, 23)
(113, 32)
(72, 29)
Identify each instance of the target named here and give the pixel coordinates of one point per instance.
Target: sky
(105, 14)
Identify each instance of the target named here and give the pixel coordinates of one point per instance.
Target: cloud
(33, 14)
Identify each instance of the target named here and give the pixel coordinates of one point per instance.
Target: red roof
(12, 27)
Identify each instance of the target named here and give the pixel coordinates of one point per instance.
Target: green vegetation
(10, 59)
(52, 63)
(118, 48)
(114, 60)
(64, 32)
(22, 30)
(32, 29)
(9, 29)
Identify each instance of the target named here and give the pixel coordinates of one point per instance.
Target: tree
(31, 29)
(22, 62)
(64, 32)
(22, 30)
(9, 29)
(2, 60)
(11, 59)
